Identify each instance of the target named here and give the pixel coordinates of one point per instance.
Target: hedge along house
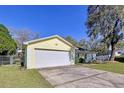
(49, 52)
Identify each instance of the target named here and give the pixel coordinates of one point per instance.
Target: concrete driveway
(82, 77)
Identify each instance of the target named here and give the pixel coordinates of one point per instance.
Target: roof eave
(32, 41)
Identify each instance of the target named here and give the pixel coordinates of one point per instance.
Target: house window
(119, 52)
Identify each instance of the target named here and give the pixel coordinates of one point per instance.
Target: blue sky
(47, 20)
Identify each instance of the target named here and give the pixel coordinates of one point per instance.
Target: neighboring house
(49, 52)
(80, 52)
(19, 51)
(87, 55)
(90, 56)
(119, 52)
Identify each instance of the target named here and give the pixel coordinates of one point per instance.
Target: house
(80, 52)
(119, 52)
(87, 55)
(49, 52)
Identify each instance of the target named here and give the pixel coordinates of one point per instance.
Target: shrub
(76, 60)
(120, 58)
(81, 60)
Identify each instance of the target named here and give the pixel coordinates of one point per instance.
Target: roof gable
(48, 38)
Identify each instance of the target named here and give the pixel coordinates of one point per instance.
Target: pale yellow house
(49, 52)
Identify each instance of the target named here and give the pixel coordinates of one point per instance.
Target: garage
(49, 52)
(51, 58)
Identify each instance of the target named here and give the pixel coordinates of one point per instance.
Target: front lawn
(112, 67)
(13, 77)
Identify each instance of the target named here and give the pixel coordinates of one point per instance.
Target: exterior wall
(25, 57)
(72, 56)
(54, 44)
(117, 53)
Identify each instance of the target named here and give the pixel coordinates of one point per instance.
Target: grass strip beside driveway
(13, 77)
(116, 67)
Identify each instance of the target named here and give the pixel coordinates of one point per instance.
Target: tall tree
(71, 40)
(120, 45)
(22, 36)
(7, 44)
(83, 43)
(94, 46)
(106, 23)
(35, 35)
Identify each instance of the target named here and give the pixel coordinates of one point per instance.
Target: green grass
(112, 67)
(13, 77)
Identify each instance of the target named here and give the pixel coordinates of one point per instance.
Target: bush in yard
(120, 59)
(81, 60)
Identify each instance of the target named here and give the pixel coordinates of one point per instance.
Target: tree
(83, 43)
(99, 48)
(71, 40)
(120, 45)
(106, 23)
(36, 35)
(7, 44)
(94, 46)
(22, 36)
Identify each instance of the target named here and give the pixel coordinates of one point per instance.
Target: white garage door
(46, 58)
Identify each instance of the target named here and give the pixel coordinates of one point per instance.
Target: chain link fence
(5, 60)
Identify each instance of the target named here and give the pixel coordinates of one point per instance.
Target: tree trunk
(112, 56)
